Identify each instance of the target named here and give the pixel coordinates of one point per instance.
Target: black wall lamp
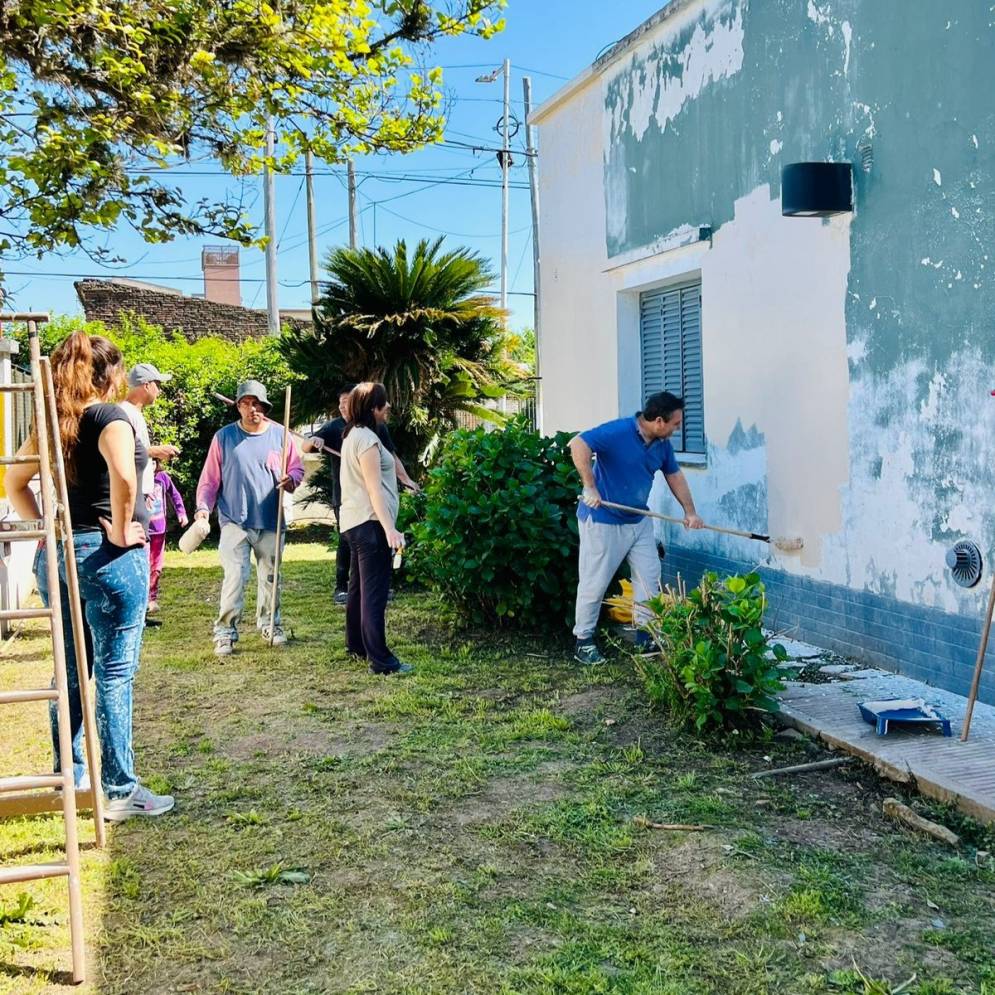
(816, 189)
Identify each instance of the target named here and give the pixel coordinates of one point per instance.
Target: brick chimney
(221, 280)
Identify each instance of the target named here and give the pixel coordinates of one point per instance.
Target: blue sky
(544, 39)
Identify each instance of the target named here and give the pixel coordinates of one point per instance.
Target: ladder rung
(29, 694)
(40, 802)
(30, 782)
(11, 388)
(21, 535)
(19, 460)
(16, 614)
(32, 872)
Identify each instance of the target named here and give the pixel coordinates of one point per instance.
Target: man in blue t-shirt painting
(617, 462)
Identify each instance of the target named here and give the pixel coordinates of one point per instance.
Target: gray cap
(143, 373)
(253, 388)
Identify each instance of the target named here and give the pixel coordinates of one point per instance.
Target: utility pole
(269, 201)
(312, 247)
(352, 205)
(505, 170)
(531, 155)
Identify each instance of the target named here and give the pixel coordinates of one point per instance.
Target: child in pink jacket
(164, 488)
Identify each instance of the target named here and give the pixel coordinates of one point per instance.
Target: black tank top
(90, 495)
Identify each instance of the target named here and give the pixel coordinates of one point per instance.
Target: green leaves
(417, 319)
(92, 91)
(499, 529)
(715, 671)
(263, 877)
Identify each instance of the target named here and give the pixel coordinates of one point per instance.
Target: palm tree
(417, 321)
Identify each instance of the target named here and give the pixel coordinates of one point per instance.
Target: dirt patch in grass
(504, 795)
(350, 739)
(699, 870)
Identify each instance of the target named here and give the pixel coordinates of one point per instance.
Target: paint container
(195, 535)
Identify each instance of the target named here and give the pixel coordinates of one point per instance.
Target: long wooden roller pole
(277, 556)
(979, 664)
(59, 660)
(76, 610)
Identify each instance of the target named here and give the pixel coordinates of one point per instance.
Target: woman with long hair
(367, 520)
(104, 463)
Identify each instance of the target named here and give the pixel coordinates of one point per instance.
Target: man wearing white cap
(143, 388)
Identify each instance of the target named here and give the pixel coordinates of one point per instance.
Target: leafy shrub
(187, 415)
(499, 534)
(714, 670)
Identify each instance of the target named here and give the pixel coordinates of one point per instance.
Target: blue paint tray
(904, 712)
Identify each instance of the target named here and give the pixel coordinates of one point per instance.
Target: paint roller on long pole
(785, 544)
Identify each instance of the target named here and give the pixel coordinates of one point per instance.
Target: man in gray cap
(242, 477)
(143, 389)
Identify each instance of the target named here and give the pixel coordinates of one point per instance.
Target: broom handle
(680, 521)
(979, 664)
(279, 516)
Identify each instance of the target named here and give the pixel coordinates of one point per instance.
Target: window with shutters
(670, 340)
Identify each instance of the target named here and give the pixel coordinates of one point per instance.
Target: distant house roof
(194, 317)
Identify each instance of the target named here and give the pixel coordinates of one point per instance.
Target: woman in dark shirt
(103, 465)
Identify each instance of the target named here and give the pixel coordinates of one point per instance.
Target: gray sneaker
(279, 636)
(587, 653)
(341, 597)
(140, 802)
(223, 645)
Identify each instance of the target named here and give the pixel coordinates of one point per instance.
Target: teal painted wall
(708, 108)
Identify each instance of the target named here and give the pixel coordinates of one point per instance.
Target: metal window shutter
(670, 339)
(694, 398)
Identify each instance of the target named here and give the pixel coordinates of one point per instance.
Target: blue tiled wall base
(924, 643)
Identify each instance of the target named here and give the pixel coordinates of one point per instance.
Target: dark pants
(369, 584)
(343, 557)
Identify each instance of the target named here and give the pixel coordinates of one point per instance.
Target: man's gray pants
(602, 550)
(234, 547)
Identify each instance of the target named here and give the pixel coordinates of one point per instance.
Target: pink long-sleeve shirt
(241, 473)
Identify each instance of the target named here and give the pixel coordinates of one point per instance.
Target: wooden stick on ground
(979, 664)
(803, 768)
(894, 808)
(277, 556)
(676, 827)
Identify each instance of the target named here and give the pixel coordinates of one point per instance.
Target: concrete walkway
(941, 767)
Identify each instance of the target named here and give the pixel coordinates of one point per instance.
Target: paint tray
(889, 712)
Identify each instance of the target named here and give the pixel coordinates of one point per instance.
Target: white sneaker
(140, 802)
(223, 645)
(279, 636)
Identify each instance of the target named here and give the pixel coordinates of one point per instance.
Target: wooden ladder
(27, 795)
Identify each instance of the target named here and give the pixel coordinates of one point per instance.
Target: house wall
(847, 363)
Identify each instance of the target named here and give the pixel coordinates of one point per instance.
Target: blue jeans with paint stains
(114, 591)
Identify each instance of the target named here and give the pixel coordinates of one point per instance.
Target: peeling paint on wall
(847, 364)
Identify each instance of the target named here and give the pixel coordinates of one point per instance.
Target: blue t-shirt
(624, 468)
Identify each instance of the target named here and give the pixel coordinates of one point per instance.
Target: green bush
(716, 670)
(187, 414)
(499, 533)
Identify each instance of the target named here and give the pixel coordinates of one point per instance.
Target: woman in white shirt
(367, 520)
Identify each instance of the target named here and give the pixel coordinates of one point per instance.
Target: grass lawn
(469, 828)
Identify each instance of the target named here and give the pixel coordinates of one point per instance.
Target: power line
(524, 69)
(146, 279)
(445, 231)
(384, 178)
